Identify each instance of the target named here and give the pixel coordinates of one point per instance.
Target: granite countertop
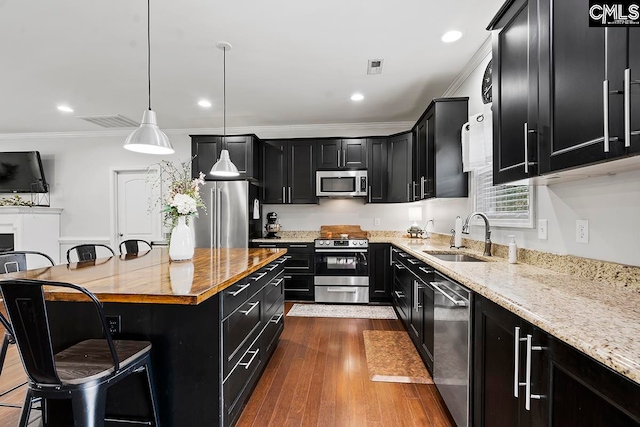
(593, 316)
(595, 308)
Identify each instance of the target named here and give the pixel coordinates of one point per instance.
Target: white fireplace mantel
(33, 228)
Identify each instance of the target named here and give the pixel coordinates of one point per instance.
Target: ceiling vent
(111, 121)
(375, 66)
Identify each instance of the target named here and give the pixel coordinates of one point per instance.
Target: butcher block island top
(152, 277)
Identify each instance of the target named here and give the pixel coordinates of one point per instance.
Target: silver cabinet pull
(298, 246)
(413, 261)
(403, 255)
(605, 112)
(627, 107)
(260, 276)
(394, 250)
(369, 194)
(527, 385)
(339, 163)
(277, 282)
(416, 295)
(289, 194)
(516, 362)
(286, 277)
(344, 157)
(242, 288)
(424, 270)
(349, 290)
(254, 354)
(422, 195)
(284, 195)
(266, 246)
(399, 294)
(526, 147)
(436, 286)
(276, 321)
(253, 305)
(400, 267)
(271, 267)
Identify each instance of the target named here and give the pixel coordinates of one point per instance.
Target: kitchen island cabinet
(212, 322)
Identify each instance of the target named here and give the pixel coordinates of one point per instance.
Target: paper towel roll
(458, 233)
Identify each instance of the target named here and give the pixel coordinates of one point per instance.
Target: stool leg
(89, 406)
(3, 350)
(26, 409)
(152, 393)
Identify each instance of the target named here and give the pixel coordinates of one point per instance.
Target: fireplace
(6, 242)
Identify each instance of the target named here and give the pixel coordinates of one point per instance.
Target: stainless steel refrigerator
(229, 221)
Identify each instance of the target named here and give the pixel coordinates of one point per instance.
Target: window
(505, 205)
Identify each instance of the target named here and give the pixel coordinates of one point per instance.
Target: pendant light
(224, 167)
(148, 138)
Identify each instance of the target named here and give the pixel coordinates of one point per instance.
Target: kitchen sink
(456, 257)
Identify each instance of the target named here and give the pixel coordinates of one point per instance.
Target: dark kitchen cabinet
(299, 269)
(399, 167)
(377, 170)
(244, 151)
(423, 157)
(342, 154)
(515, 92)
(554, 77)
(500, 368)
(288, 172)
(380, 282)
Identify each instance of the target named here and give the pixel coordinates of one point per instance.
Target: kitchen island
(204, 318)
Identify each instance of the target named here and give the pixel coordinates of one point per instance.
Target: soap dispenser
(513, 250)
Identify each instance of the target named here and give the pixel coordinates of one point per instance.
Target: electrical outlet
(376, 222)
(582, 231)
(543, 231)
(115, 324)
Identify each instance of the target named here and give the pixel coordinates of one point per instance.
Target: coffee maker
(272, 226)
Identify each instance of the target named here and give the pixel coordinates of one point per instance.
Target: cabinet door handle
(344, 157)
(627, 107)
(277, 282)
(516, 362)
(413, 261)
(400, 267)
(339, 164)
(289, 194)
(253, 305)
(424, 270)
(605, 112)
(527, 385)
(399, 294)
(526, 147)
(242, 288)
(260, 276)
(369, 194)
(298, 246)
(284, 195)
(276, 321)
(416, 295)
(254, 353)
(422, 195)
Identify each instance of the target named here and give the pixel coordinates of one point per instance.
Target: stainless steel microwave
(341, 183)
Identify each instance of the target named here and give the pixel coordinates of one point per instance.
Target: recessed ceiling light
(204, 103)
(357, 97)
(65, 109)
(451, 36)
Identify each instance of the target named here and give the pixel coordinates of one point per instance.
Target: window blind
(511, 203)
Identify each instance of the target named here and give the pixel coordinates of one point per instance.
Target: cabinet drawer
(400, 302)
(273, 329)
(273, 292)
(239, 329)
(238, 385)
(299, 263)
(298, 286)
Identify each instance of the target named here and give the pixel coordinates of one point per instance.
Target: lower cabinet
(380, 282)
(299, 268)
(525, 377)
(253, 319)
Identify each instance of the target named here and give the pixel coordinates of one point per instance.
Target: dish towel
(477, 141)
(256, 209)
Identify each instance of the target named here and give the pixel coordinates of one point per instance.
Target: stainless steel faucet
(487, 235)
(425, 234)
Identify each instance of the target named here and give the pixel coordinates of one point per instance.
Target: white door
(137, 206)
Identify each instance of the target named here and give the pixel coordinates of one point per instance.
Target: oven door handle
(346, 289)
(338, 251)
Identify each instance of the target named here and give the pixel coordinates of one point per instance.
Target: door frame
(114, 172)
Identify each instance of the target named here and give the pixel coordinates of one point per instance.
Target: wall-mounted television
(21, 172)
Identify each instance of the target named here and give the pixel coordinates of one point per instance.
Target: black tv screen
(21, 172)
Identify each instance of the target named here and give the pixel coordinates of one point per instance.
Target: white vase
(181, 276)
(182, 243)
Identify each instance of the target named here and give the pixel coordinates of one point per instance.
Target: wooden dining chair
(81, 373)
(132, 246)
(87, 251)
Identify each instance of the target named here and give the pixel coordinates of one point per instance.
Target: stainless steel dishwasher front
(452, 346)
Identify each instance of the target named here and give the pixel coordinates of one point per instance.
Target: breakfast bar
(205, 318)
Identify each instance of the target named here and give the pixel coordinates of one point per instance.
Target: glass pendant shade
(148, 138)
(224, 166)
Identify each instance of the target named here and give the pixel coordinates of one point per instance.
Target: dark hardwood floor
(317, 377)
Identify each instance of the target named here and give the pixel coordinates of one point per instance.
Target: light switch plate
(543, 231)
(376, 222)
(582, 231)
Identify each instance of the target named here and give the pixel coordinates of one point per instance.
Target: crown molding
(473, 63)
(361, 129)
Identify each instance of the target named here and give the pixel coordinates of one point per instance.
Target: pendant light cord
(224, 97)
(149, 49)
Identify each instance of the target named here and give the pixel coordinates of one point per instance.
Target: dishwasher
(452, 346)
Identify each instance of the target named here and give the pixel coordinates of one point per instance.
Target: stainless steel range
(342, 270)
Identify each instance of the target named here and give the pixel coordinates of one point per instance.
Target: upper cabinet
(399, 170)
(244, 152)
(377, 170)
(289, 172)
(438, 151)
(342, 154)
(564, 94)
